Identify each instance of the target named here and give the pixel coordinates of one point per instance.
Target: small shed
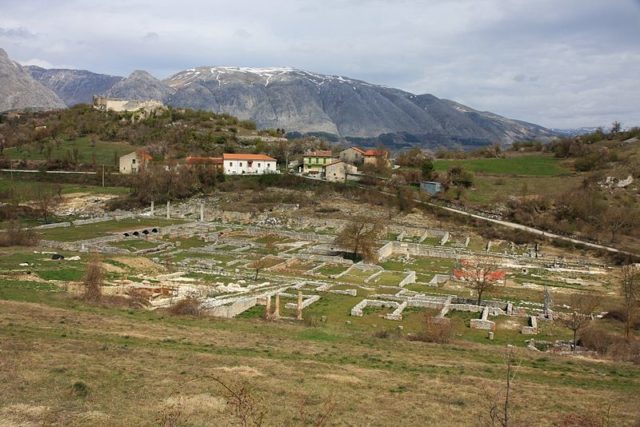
(431, 187)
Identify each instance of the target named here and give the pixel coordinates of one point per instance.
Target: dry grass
(149, 370)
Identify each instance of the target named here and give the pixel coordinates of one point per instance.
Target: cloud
(555, 62)
(150, 37)
(16, 33)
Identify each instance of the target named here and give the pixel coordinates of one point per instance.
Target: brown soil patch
(343, 379)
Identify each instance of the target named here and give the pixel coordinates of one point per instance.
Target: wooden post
(103, 175)
(168, 209)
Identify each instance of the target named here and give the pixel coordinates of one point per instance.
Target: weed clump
(187, 307)
(436, 330)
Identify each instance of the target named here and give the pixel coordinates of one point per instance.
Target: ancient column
(201, 212)
(168, 209)
(299, 308)
(152, 207)
(276, 311)
(267, 310)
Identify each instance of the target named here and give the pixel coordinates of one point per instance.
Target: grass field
(89, 231)
(103, 152)
(24, 188)
(68, 363)
(529, 165)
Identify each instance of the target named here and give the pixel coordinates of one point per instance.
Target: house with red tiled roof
(372, 157)
(248, 164)
(134, 162)
(314, 161)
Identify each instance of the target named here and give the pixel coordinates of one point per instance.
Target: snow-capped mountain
(307, 102)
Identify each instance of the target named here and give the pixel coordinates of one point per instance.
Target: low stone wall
(532, 328)
(307, 300)
(351, 292)
(397, 313)
(232, 310)
(357, 310)
(483, 323)
(409, 278)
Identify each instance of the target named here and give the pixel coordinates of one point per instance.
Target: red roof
(240, 156)
(491, 276)
(359, 150)
(144, 154)
(319, 153)
(194, 160)
(375, 153)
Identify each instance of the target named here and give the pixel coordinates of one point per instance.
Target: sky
(557, 63)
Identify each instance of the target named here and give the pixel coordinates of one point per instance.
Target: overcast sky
(558, 63)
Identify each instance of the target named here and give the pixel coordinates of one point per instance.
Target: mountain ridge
(312, 103)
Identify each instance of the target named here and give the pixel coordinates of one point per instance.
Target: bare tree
(245, 407)
(630, 290)
(258, 265)
(617, 219)
(500, 411)
(482, 276)
(582, 306)
(46, 199)
(360, 237)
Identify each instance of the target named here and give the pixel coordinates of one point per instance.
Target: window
(258, 164)
(133, 161)
(230, 164)
(240, 164)
(268, 165)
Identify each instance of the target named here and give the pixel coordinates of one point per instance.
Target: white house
(134, 162)
(248, 164)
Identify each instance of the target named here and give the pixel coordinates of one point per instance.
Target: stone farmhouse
(134, 162)
(314, 161)
(357, 156)
(248, 164)
(338, 171)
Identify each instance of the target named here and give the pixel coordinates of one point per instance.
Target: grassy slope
(24, 188)
(103, 151)
(81, 232)
(133, 361)
(529, 165)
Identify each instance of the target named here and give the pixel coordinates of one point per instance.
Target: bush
(610, 344)
(15, 235)
(436, 330)
(187, 307)
(93, 278)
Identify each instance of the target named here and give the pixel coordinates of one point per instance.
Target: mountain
(314, 103)
(74, 86)
(18, 90)
(575, 131)
(140, 85)
(309, 103)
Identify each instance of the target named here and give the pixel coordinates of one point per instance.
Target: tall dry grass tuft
(93, 279)
(15, 235)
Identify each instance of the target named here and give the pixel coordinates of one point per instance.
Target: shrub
(187, 307)
(436, 330)
(92, 280)
(15, 235)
